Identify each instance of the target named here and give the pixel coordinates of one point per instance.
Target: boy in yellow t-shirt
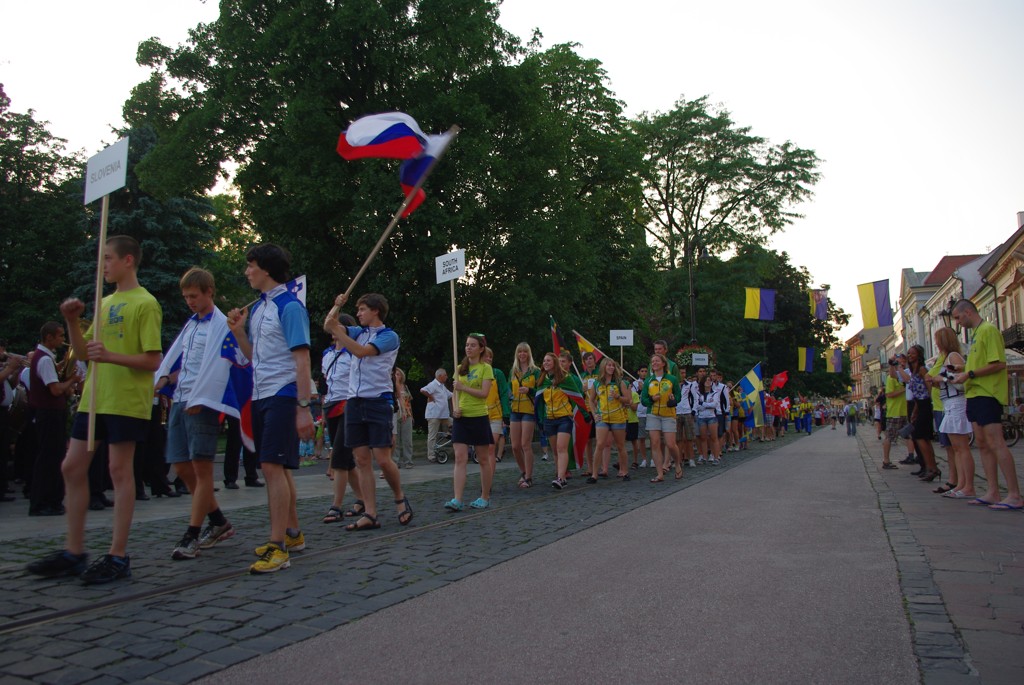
(122, 361)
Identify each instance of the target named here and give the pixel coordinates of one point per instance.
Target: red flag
(778, 380)
(557, 343)
(587, 346)
(581, 427)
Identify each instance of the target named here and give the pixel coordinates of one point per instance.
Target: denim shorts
(368, 422)
(664, 424)
(701, 423)
(522, 417)
(191, 436)
(497, 428)
(111, 428)
(274, 431)
(611, 426)
(553, 427)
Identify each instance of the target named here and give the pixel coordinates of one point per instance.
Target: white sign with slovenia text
(106, 171)
(451, 266)
(622, 338)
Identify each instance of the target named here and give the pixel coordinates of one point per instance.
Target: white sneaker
(692, 465)
(700, 458)
(643, 464)
(544, 457)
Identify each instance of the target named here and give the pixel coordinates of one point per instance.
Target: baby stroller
(443, 449)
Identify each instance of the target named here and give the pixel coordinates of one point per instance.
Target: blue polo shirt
(278, 325)
(371, 376)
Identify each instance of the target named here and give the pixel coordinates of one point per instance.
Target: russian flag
(391, 135)
(412, 170)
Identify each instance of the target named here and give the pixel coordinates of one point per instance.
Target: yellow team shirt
(523, 403)
(987, 347)
(556, 402)
(664, 388)
(131, 323)
(609, 403)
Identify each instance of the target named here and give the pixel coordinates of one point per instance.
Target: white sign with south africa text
(106, 171)
(621, 338)
(451, 266)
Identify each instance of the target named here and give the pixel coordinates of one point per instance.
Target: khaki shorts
(893, 426)
(685, 428)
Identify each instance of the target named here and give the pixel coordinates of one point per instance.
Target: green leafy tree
(40, 214)
(712, 184)
(175, 234)
(540, 188)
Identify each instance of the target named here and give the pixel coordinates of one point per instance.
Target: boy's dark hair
(49, 328)
(125, 245)
(197, 277)
(273, 259)
(346, 319)
(376, 302)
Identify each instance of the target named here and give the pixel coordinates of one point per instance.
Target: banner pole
(455, 350)
(97, 322)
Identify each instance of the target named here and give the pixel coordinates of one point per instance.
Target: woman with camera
(660, 394)
(920, 412)
(954, 419)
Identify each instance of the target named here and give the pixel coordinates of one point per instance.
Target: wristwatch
(303, 403)
(970, 374)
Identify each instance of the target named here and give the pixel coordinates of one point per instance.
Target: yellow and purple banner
(874, 304)
(760, 304)
(805, 359)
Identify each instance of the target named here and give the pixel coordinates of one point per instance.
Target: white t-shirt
(437, 403)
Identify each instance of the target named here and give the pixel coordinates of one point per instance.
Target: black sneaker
(890, 465)
(107, 569)
(58, 564)
(911, 459)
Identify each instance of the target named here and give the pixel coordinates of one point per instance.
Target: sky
(914, 106)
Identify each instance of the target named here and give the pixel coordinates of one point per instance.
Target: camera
(893, 361)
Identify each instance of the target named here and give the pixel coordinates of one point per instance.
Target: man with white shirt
(438, 412)
(48, 397)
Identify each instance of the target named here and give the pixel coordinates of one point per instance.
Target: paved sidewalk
(962, 570)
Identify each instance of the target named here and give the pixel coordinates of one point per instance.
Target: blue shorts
(943, 438)
(701, 423)
(611, 426)
(984, 410)
(552, 427)
(369, 422)
(274, 431)
(191, 436)
(519, 416)
(111, 428)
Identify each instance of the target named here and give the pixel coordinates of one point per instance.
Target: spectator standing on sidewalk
(438, 411)
(985, 382)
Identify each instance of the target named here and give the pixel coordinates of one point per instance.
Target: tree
(540, 188)
(40, 213)
(712, 184)
(174, 233)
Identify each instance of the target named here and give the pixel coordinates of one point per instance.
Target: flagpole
(453, 131)
(455, 350)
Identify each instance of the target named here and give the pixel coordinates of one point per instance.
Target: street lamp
(693, 296)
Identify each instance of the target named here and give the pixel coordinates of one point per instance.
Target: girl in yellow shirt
(611, 397)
